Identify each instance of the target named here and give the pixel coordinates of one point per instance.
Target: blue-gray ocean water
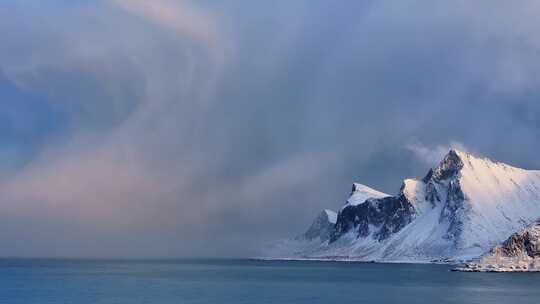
(247, 281)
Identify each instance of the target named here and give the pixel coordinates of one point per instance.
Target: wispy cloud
(184, 19)
(434, 154)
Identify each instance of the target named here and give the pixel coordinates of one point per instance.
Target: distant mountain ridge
(322, 227)
(458, 211)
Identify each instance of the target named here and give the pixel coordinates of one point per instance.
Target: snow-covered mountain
(520, 252)
(458, 211)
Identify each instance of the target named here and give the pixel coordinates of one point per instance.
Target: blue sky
(27, 121)
(181, 128)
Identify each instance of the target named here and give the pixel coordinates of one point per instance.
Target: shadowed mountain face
(322, 227)
(389, 215)
(459, 210)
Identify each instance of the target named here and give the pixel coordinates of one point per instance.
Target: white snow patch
(361, 193)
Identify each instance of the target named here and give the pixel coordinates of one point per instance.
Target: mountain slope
(459, 210)
(520, 252)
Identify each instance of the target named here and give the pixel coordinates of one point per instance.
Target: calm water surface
(245, 281)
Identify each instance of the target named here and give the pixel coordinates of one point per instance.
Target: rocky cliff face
(443, 186)
(520, 252)
(458, 211)
(379, 218)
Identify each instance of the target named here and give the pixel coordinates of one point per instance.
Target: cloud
(433, 155)
(125, 158)
(183, 19)
(204, 129)
(177, 16)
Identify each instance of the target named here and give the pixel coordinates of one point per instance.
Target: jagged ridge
(459, 210)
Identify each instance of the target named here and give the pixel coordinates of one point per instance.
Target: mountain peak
(360, 193)
(458, 152)
(451, 164)
(356, 187)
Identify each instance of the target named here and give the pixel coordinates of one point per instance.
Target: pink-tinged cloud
(185, 20)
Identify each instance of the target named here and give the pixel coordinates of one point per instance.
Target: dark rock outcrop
(448, 168)
(384, 215)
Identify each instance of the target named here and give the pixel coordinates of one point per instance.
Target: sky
(133, 128)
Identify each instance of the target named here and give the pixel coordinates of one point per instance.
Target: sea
(202, 281)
